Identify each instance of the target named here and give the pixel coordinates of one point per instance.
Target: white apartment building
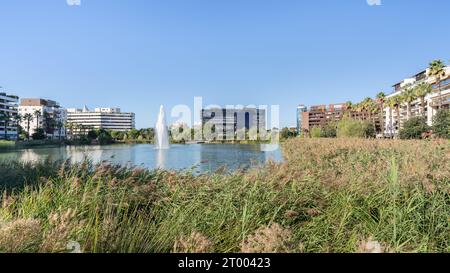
(8, 108)
(46, 114)
(432, 100)
(81, 120)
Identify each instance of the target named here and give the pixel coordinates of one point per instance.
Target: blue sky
(139, 54)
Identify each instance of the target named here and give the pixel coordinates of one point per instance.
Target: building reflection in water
(30, 156)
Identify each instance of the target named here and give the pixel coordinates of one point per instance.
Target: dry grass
(330, 195)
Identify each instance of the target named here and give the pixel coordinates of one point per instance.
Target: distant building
(300, 110)
(322, 115)
(47, 114)
(226, 123)
(8, 109)
(80, 120)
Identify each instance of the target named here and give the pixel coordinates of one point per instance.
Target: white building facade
(8, 110)
(81, 120)
(46, 114)
(433, 101)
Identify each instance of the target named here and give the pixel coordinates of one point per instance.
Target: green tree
(28, 118)
(421, 91)
(329, 130)
(397, 100)
(59, 125)
(133, 134)
(437, 70)
(104, 137)
(316, 132)
(355, 128)
(286, 133)
(92, 134)
(391, 102)
(381, 100)
(39, 134)
(37, 114)
(408, 96)
(441, 123)
(414, 128)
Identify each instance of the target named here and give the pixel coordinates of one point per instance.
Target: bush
(316, 132)
(39, 134)
(104, 137)
(329, 130)
(441, 123)
(92, 135)
(286, 133)
(414, 128)
(355, 128)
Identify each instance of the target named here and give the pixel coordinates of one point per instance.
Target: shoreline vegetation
(329, 195)
(17, 145)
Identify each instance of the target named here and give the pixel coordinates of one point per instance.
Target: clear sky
(139, 54)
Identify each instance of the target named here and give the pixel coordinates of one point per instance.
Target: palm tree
(381, 99)
(367, 106)
(349, 108)
(28, 117)
(397, 103)
(6, 118)
(421, 91)
(391, 102)
(359, 109)
(436, 70)
(408, 96)
(37, 114)
(59, 125)
(68, 127)
(17, 119)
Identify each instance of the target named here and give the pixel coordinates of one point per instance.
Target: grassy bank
(336, 195)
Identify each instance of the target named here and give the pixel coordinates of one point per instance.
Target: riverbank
(330, 195)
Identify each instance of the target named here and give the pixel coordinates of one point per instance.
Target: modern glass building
(300, 110)
(226, 123)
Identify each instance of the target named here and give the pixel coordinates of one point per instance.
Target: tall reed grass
(330, 195)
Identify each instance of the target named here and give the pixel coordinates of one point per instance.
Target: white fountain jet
(161, 132)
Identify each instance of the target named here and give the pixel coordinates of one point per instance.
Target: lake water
(200, 157)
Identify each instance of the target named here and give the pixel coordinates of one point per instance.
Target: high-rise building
(80, 120)
(44, 114)
(8, 112)
(226, 123)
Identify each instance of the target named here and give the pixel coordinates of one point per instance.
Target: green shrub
(441, 123)
(316, 132)
(39, 134)
(93, 134)
(414, 128)
(355, 128)
(329, 130)
(286, 133)
(104, 137)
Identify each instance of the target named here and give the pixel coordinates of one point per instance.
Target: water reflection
(161, 156)
(204, 158)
